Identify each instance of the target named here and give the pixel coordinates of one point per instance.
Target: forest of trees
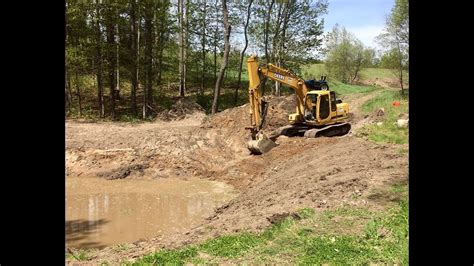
(127, 57)
(122, 56)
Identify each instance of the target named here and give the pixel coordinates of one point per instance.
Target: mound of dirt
(183, 108)
(236, 119)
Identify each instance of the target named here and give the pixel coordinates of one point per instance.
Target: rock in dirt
(123, 172)
(402, 123)
(403, 116)
(278, 217)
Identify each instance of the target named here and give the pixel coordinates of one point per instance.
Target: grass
(231, 246)
(372, 73)
(226, 99)
(317, 70)
(382, 238)
(387, 132)
(314, 71)
(80, 255)
(346, 89)
(402, 151)
(175, 257)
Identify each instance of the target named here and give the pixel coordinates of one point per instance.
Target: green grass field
(388, 131)
(345, 89)
(372, 73)
(317, 70)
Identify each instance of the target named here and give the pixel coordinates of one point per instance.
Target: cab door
(324, 110)
(333, 104)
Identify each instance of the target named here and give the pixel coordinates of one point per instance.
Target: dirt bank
(317, 173)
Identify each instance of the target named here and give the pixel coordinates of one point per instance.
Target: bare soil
(317, 173)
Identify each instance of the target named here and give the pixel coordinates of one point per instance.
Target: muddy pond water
(101, 212)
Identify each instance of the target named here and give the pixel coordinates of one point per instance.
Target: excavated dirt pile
(182, 109)
(233, 121)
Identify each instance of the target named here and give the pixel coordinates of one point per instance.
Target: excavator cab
(318, 105)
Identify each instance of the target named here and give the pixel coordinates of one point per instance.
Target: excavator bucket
(261, 144)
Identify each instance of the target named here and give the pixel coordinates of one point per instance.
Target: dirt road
(316, 173)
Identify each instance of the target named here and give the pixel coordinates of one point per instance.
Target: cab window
(333, 101)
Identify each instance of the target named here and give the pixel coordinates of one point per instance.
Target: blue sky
(364, 18)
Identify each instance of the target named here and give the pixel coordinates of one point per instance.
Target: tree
(162, 23)
(135, 54)
(227, 28)
(295, 31)
(98, 58)
(369, 57)
(113, 43)
(203, 45)
(243, 52)
(265, 32)
(183, 19)
(77, 54)
(148, 95)
(111, 49)
(217, 34)
(345, 55)
(395, 38)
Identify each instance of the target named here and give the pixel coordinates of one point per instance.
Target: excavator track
(262, 144)
(339, 129)
(329, 131)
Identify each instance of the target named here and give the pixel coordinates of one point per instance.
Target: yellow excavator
(318, 112)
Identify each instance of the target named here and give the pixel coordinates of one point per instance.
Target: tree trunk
(203, 47)
(280, 39)
(134, 26)
(160, 62)
(274, 53)
(68, 89)
(215, 102)
(100, 85)
(181, 47)
(400, 66)
(79, 97)
(267, 22)
(357, 68)
(117, 56)
(276, 34)
(112, 62)
(162, 31)
(215, 57)
(185, 48)
(148, 58)
(242, 54)
(215, 47)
